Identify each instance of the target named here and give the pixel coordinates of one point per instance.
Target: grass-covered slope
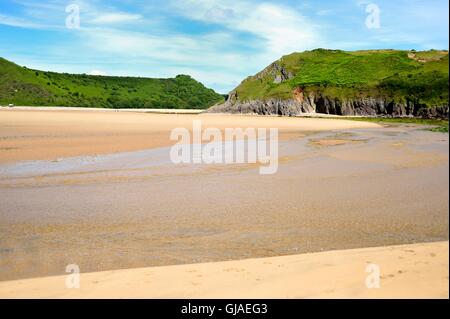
(394, 74)
(23, 86)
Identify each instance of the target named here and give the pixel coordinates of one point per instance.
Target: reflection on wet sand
(333, 190)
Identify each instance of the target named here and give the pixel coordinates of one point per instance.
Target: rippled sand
(376, 186)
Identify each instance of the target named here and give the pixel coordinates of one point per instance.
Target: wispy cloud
(281, 29)
(111, 18)
(20, 23)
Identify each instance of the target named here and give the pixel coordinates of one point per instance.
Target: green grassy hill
(421, 77)
(23, 86)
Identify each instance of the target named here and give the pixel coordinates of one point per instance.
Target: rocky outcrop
(346, 83)
(302, 103)
(277, 71)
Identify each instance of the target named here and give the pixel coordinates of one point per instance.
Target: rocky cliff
(397, 84)
(318, 103)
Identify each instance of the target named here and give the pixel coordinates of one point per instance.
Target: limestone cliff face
(345, 83)
(315, 102)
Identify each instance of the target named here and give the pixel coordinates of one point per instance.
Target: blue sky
(217, 42)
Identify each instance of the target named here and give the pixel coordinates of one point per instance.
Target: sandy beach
(240, 151)
(97, 189)
(45, 133)
(406, 271)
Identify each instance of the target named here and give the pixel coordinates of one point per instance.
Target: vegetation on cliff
(23, 86)
(401, 76)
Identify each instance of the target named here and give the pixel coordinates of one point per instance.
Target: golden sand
(49, 134)
(406, 271)
(340, 185)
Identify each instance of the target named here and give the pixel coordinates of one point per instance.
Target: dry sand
(27, 134)
(406, 271)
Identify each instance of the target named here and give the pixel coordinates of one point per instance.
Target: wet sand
(340, 185)
(406, 271)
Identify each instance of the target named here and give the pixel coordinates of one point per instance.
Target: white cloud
(219, 14)
(209, 50)
(281, 29)
(21, 23)
(118, 17)
(51, 15)
(324, 12)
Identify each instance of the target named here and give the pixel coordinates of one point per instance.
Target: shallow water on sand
(333, 190)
